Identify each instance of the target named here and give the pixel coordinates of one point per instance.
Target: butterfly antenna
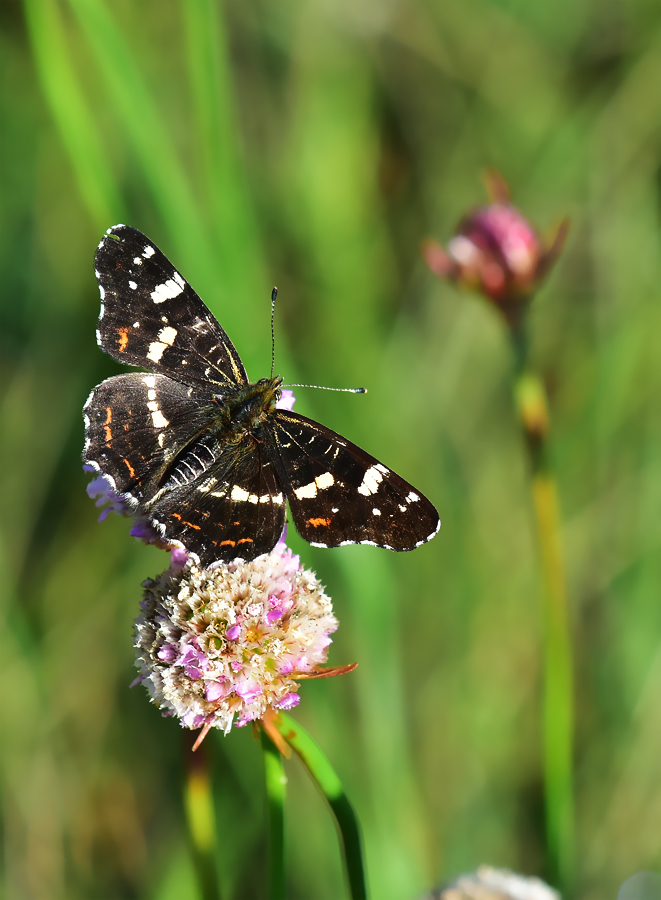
(321, 387)
(274, 294)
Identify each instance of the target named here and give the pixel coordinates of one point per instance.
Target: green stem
(198, 801)
(275, 793)
(558, 711)
(326, 779)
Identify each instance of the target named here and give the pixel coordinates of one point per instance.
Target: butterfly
(205, 455)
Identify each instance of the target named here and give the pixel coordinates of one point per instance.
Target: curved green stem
(198, 801)
(326, 779)
(275, 793)
(558, 713)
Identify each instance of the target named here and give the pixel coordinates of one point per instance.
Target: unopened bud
(496, 251)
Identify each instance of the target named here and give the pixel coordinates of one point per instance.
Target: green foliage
(313, 145)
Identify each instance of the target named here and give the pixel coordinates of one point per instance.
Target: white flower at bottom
(229, 641)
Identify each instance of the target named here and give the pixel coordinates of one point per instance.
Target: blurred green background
(312, 144)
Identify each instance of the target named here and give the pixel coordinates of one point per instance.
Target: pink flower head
(101, 489)
(226, 644)
(496, 251)
(286, 400)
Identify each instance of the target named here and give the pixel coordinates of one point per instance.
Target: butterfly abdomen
(195, 460)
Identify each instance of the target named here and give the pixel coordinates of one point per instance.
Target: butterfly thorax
(249, 405)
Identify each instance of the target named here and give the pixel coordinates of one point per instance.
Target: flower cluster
(496, 251)
(229, 641)
(495, 884)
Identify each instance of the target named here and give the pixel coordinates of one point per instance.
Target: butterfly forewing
(151, 317)
(339, 494)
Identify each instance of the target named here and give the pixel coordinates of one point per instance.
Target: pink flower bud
(496, 251)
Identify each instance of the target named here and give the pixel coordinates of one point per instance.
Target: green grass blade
(74, 121)
(146, 130)
(275, 797)
(325, 777)
(225, 191)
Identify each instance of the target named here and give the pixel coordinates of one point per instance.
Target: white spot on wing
(307, 491)
(376, 512)
(412, 497)
(156, 349)
(321, 483)
(316, 544)
(148, 251)
(159, 419)
(167, 335)
(137, 261)
(149, 380)
(371, 481)
(239, 494)
(133, 285)
(166, 291)
(324, 481)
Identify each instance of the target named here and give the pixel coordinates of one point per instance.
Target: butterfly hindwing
(135, 425)
(151, 317)
(236, 508)
(339, 494)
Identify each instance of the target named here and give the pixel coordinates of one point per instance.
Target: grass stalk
(276, 782)
(71, 112)
(201, 820)
(328, 782)
(558, 706)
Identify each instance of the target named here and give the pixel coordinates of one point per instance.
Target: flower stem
(558, 706)
(275, 792)
(198, 802)
(326, 779)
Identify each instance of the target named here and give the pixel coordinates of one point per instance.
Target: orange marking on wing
(129, 467)
(246, 541)
(106, 424)
(190, 525)
(317, 522)
(228, 543)
(123, 339)
(126, 427)
(175, 516)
